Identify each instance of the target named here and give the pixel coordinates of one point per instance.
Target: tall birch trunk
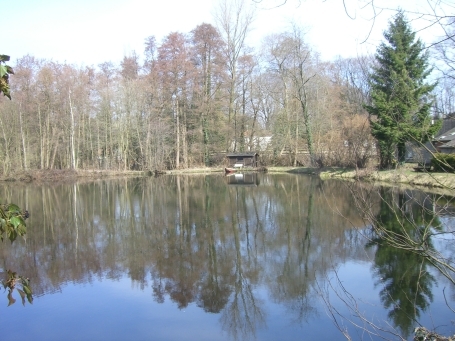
(177, 141)
(73, 149)
(24, 149)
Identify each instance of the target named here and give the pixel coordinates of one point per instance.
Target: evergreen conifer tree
(401, 100)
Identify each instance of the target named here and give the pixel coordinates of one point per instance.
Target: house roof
(446, 136)
(450, 144)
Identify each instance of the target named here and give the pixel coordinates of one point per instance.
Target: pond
(214, 257)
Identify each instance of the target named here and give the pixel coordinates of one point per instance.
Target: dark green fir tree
(401, 99)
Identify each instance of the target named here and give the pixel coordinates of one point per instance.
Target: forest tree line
(190, 99)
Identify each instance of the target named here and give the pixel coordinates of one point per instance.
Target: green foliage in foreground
(12, 225)
(443, 162)
(20, 284)
(12, 222)
(5, 71)
(12, 219)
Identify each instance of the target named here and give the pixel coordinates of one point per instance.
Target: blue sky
(89, 32)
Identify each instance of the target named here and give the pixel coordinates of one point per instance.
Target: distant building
(259, 143)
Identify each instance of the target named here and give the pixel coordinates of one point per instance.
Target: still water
(209, 257)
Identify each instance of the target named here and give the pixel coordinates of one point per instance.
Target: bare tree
(175, 69)
(234, 19)
(293, 61)
(209, 59)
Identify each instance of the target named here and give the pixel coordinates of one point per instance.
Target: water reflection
(243, 179)
(402, 273)
(197, 239)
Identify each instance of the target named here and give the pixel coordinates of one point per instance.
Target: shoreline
(438, 183)
(396, 177)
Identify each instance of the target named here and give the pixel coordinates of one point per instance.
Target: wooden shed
(238, 160)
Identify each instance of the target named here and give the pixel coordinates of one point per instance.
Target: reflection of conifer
(403, 274)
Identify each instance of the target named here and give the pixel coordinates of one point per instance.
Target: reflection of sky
(444, 242)
(120, 310)
(108, 310)
(115, 310)
(439, 313)
(356, 278)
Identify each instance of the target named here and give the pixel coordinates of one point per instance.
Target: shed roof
(242, 154)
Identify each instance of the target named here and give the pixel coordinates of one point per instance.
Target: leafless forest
(188, 100)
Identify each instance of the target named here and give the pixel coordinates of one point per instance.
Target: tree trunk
(72, 132)
(177, 140)
(7, 162)
(24, 150)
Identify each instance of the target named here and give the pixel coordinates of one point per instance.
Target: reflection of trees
(215, 285)
(243, 313)
(191, 239)
(295, 269)
(403, 274)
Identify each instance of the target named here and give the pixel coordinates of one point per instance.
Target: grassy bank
(398, 176)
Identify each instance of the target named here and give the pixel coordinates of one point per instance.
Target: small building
(239, 160)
